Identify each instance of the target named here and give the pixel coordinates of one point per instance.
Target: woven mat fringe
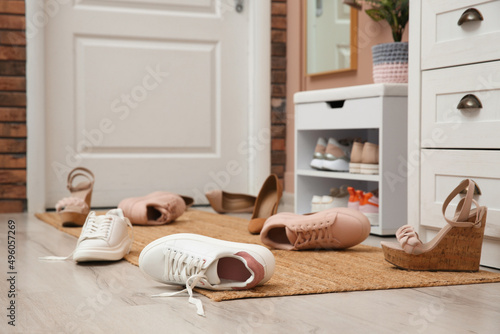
(297, 273)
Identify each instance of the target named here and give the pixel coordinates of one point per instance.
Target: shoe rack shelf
(376, 113)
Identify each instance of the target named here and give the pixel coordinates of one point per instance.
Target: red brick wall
(12, 106)
(278, 88)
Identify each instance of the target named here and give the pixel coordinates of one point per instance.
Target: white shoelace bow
(96, 227)
(186, 269)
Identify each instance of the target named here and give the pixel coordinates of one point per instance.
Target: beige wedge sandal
(457, 247)
(73, 210)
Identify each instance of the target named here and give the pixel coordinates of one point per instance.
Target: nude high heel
(457, 247)
(266, 203)
(73, 210)
(224, 202)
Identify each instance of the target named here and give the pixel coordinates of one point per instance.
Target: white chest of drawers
(454, 111)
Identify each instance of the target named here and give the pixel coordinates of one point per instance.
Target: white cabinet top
(352, 92)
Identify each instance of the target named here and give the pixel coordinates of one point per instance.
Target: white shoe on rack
(319, 154)
(337, 156)
(316, 203)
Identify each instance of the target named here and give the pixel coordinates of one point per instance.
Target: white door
(149, 95)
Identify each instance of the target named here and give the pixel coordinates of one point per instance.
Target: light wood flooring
(64, 297)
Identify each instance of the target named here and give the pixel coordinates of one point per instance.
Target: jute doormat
(304, 272)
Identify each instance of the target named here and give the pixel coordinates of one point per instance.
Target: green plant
(395, 12)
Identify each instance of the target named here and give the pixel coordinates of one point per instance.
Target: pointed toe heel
(266, 203)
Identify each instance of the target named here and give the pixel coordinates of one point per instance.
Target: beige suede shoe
(355, 164)
(369, 159)
(224, 202)
(336, 228)
(157, 208)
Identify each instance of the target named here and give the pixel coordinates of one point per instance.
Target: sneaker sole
(369, 169)
(103, 254)
(355, 167)
(317, 164)
(266, 257)
(338, 165)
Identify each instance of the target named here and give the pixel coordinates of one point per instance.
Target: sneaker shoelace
(185, 269)
(312, 236)
(96, 227)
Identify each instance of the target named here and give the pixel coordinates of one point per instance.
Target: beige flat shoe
(73, 210)
(457, 247)
(224, 202)
(266, 204)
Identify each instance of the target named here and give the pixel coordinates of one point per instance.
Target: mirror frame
(353, 38)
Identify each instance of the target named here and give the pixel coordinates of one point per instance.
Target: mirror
(331, 37)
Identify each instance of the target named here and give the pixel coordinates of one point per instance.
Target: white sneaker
(198, 261)
(319, 154)
(103, 238)
(316, 203)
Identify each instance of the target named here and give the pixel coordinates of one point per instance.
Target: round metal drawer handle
(470, 15)
(469, 101)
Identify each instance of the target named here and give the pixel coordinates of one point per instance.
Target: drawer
(339, 114)
(442, 171)
(446, 126)
(445, 43)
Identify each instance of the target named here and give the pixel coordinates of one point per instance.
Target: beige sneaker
(337, 228)
(369, 159)
(355, 164)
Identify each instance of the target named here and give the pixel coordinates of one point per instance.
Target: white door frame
(258, 109)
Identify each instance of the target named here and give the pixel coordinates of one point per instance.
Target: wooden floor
(115, 298)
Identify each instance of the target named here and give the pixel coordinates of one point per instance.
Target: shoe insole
(278, 235)
(229, 203)
(267, 205)
(232, 269)
(153, 213)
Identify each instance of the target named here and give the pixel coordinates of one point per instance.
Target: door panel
(147, 99)
(140, 120)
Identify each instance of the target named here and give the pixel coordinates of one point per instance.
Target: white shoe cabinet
(376, 113)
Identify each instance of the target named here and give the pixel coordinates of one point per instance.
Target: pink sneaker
(336, 228)
(157, 208)
(369, 207)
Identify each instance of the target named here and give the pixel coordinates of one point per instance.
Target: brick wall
(12, 106)
(278, 87)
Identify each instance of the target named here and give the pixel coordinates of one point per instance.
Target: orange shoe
(370, 208)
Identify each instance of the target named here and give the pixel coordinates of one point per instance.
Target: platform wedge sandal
(73, 210)
(457, 247)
